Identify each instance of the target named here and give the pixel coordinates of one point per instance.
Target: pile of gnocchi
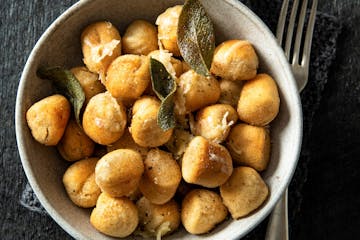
(139, 178)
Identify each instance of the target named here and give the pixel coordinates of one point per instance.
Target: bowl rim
(266, 209)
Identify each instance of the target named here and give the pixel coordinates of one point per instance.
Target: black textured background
(330, 197)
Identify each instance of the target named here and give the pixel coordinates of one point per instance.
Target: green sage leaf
(67, 84)
(196, 37)
(164, 86)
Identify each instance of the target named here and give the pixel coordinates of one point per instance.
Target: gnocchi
(139, 178)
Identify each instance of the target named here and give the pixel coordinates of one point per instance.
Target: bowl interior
(60, 45)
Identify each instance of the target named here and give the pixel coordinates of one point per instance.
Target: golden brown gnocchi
(214, 122)
(201, 210)
(161, 177)
(235, 60)
(104, 119)
(118, 173)
(249, 145)
(47, 119)
(206, 163)
(244, 192)
(195, 91)
(140, 38)
(75, 144)
(144, 128)
(259, 101)
(101, 44)
(116, 217)
(128, 76)
(79, 182)
(167, 28)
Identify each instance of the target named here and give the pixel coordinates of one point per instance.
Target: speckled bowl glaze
(60, 45)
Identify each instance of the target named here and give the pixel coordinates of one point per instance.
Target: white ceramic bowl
(60, 45)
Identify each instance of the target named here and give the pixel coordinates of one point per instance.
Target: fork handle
(278, 223)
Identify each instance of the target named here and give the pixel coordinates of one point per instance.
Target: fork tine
(290, 29)
(281, 21)
(309, 33)
(299, 32)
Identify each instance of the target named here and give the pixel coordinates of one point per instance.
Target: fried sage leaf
(164, 86)
(67, 84)
(196, 37)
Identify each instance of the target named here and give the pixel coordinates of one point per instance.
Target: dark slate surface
(330, 196)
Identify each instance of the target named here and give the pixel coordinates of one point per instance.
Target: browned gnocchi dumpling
(79, 182)
(167, 23)
(161, 177)
(235, 60)
(244, 192)
(75, 144)
(140, 38)
(101, 44)
(206, 163)
(144, 128)
(47, 119)
(116, 217)
(259, 100)
(195, 91)
(128, 76)
(201, 211)
(104, 119)
(214, 122)
(118, 173)
(158, 220)
(249, 145)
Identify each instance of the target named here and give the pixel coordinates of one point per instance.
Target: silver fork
(278, 223)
